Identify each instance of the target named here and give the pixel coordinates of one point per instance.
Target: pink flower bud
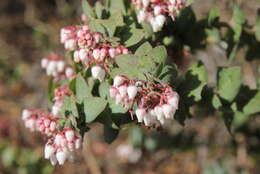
(103, 53)
(146, 3)
(52, 126)
(97, 38)
(174, 101)
(69, 72)
(119, 99)
(123, 91)
(46, 122)
(70, 44)
(112, 92)
(112, 52)
(132, 91)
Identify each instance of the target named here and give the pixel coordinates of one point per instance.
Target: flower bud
(132, 91)
(122, 91)
(53, 159)
(26, 114)
(141, 16)
(69, 72)
(112, 92)
(168, 111)
(60, 66)
(146, 3)
(78, 143)
(157, 10)
(96, 54)
(83, 54)
(61, 157)
(119, 99)
(76, 56)
(70, 44)
(160, 20)
(48, 151)
(44, 63)
(98, 73)
(69, 134)
(112, 52)
(140, 113)
(118, 80)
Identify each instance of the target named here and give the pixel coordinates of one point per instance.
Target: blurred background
(29, 30)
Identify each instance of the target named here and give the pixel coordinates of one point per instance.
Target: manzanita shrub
(115, 70)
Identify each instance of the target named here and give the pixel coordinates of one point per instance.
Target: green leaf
(253, 106)
(116, 20)
(104, 89)
(216, 102)
(87, 9)
(93, 107)
(116, 6)
(196, 79)
(229, 83)
(116, 109)
(213, 15)
(168, 73)
(69, 107)
(137, 36)
(143, 49)
(239, 119)
(238, 16)
(158, 54)
(257, 29)
(96, 25)
(127, 61)
(83, 90)
(99, 8)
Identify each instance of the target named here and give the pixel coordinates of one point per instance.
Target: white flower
(157, 10)
(51, 67)
(98, 73)
(69, 72)
(48, 151)
(112, 52)
(78, 143)
(69, 134)
(26, 114)
(146, 3)
(140, 114)
(160, 20)
(112, 92)
(44, 63)
(60, 66)
(61, 157)
(96, 54)
(55, 110)
(53, 159)
(118, 80)
(132, 91)
(168, 111)
(70, 44)
(141, 16)
(119, 99)
(83, 54)
(154, 25)
(174, 100)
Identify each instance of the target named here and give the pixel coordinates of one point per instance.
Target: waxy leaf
(229, 83)
(93, 107)
(83, 90)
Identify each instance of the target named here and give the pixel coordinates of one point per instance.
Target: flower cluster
(61, 144)
(155, 11)
(155, 103)
(55, 66)
(90, 48)
(59, 94)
